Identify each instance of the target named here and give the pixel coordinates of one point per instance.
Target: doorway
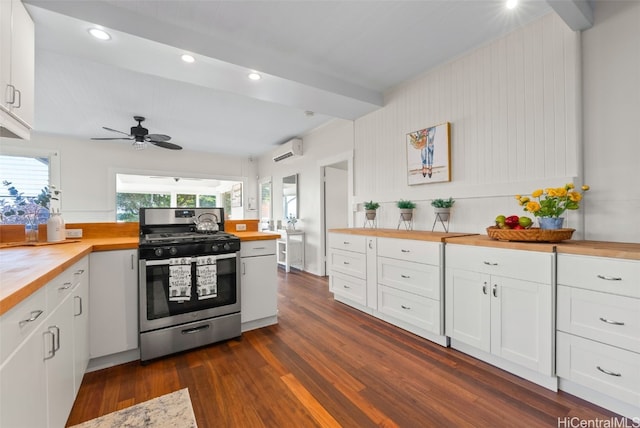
(337, 188)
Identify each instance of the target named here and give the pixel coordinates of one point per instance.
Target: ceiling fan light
(188, 58)
(254, 76)
(139, 145)
(511, 4)
(99, 34)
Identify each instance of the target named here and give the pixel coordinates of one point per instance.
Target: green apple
(525, 222)
(500, 220)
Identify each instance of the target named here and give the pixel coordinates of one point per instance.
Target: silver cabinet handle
(405, 251)
(57, 336)
(65, 286)
(490, 263)
(19, 99)
(260, 248)
(495, 290)
(346, 242)
(244, 268)
(79, 272)
(195, 329)
(132, 262)
(405, 307)
(51, 353)
(484, 288)
(345, 286)
(32, 317)
(345, 263)
(79, 299)
(371, 244)
(405, 276)
(607, 372)
(610, 278)
(608, 321)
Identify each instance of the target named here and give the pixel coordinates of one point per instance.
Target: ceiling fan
(140, 137)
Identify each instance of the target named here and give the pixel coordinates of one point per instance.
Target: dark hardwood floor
(326, 364)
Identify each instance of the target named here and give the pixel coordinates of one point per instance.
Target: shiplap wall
(514, 111)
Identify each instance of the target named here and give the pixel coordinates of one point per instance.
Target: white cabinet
(17, 53)
(410, 285)
(37, 380)
(113, 298)
(599, 330)
(351, 264)
(258, 284)
(500, 302)
(291, 249)
(80, 325)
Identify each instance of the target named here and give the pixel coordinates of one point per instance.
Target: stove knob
(173, 251)
(158, 252)
(227, 247)
(215, 248)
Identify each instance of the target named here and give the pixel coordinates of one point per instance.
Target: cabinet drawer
(608, 275)
(349, 287)
(410, 250)
(347, 242)
(20, 321)
(416, 310)
(62, 285)
(529, 265)
(348, 263)
(257, 248)
(416, 278)
(603, 368)
(607, 318)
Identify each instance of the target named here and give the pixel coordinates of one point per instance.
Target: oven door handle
(166, 262)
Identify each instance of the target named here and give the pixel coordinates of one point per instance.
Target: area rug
(172, 410)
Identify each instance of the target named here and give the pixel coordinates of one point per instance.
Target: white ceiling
(335, 58)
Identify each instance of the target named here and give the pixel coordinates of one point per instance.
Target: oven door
(181, 290)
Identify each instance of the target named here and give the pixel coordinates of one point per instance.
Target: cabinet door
(521, 323)
(80, 330)
(113, 298)
(22, 62)
(468, 309)
(259, 288)
(5, 52)
(23, 385)
(59, 368)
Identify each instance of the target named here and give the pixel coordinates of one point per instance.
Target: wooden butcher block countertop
(256, 236)
(619, 250)
(485, 241)
(418, 235)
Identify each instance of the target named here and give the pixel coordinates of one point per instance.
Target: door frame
(322, 164)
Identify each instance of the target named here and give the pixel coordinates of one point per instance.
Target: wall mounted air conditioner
(289, 149)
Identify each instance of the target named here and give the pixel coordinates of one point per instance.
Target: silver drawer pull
(65, 286)
(32, 317)
(405, 276)
(608, 372)
(405, 307)
(611, 322)
(405, 251)
(195, 329)
(260, 248)
(345, 263)
(345, 286)
(79, 272)
(490, 263)
(346, 242)
(610, 278)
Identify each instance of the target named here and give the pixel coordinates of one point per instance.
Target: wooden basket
(530, 235)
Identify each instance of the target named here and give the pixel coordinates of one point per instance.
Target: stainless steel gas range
(189, 285)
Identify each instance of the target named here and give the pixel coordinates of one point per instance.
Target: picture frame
(429, 155)
(236, 195)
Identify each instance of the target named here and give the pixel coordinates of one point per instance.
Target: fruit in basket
(512, 221)
(525, 222)
(518, 227)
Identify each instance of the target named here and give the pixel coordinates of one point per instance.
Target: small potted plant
(370, 209)
(442, 208)
(406, 209)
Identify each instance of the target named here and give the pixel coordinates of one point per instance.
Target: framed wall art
(429, 155)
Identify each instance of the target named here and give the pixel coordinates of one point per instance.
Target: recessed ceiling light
(254, 76)
(188, 58)
(511, 4)
(99, 34)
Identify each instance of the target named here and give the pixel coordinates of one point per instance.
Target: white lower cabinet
(598, 327)
(258, 284)
(37, 380)
(113, 298)
(80, 329)
(506, 317)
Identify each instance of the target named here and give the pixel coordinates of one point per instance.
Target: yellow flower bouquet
(552, 202)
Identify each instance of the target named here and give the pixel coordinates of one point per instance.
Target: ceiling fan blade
(157, 137)
(115, 130)
(114, 138)
(166, 145)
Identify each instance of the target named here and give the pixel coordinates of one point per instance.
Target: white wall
(88, 168)
(611, 93)
(514, 114)
(323, 143)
